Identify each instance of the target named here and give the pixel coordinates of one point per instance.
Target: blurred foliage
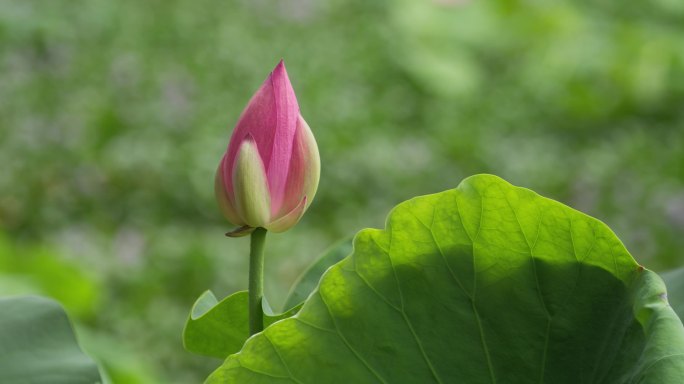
(114, 114)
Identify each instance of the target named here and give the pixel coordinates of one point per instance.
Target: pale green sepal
(250, 186)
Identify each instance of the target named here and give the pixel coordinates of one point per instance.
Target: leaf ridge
(540, 296)
(405, 317)
(383, 298)
(603, 348)
(661, 359)
(461, 221)
(484, 342)
(296, 317)
(539, 223)
(258, 372)
(612, 254)
(473, 305)
(441, 252)
(579, 262)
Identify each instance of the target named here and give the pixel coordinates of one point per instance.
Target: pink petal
(271, 119)
(305, 169)
(287, 113)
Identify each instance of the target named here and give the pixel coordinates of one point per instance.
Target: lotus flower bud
(269, 174)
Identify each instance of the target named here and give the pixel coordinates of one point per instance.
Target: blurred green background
(114, 115)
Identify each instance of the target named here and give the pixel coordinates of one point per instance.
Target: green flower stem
(256, 280)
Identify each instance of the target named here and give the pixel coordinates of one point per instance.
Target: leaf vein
(258, 372)
(407, 320)
(441, 252)
(661, 359)
(287, 368)
(346, 342)
(297, 318)
(474, 306)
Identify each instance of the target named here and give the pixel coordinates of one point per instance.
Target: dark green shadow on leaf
(487, 283)
(38, 346)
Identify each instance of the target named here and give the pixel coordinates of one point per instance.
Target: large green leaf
(37, 344)
(487, 283)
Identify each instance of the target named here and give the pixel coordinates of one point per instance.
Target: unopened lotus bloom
(269, 174)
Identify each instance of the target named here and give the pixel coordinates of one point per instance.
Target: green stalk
(256, 280)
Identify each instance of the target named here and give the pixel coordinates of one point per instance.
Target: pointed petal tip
(279, 72)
